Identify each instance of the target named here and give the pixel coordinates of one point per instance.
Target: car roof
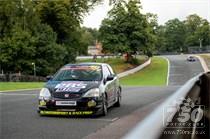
(86, 63)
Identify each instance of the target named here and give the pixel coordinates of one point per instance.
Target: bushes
(46, 33)
(23, 48)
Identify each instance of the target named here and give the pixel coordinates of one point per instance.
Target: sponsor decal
(66, 113)
(70, 86)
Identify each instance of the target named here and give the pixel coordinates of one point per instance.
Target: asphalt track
(19, 120)
(182, 70)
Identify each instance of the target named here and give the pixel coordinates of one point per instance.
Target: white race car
(191, 59)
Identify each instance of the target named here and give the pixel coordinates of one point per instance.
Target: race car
(80, 89)
(191, 58)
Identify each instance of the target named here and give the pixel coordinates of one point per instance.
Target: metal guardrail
(154, 126)
(136, 69)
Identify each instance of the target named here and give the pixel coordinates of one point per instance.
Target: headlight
(92, 93)
(44, 94)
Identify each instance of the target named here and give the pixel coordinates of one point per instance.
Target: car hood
(71, 86)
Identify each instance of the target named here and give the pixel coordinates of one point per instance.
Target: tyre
(118, 103)
(104, 109)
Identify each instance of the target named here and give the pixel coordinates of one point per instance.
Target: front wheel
(118, 103)
(104, 109)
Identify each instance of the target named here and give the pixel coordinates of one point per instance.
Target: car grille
(67, 95)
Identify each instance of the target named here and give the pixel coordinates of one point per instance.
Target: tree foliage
(46, 33)
(175, 35)
(178, 36)
(126, 29)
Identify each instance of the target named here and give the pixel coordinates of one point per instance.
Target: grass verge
(153, 75)
(118, 64)
(4, 86)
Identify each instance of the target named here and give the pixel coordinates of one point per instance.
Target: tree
(197, 30)
(175, 34)
(7, 18)
(65, 16)
(152, 32)
(93, 35)
(126, 29)
(161, 42)
(50, 55)
(45, 32)
(17, 51)
(112, 34)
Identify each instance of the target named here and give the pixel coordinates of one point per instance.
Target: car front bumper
(84, 106)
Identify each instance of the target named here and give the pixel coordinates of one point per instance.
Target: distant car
(191, 58)
(80, 89)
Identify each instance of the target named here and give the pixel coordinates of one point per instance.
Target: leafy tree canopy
(126, 29)
(46, 33)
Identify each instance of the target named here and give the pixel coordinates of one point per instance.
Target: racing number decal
(70, 86)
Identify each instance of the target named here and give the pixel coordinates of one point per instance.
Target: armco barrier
(184, 115)
(123, 74)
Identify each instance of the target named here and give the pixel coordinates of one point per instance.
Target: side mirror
(110, 77)
(49, 77)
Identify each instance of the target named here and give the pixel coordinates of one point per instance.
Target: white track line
(106, 120)
(32, 89)
(169, 66)
(18, 94)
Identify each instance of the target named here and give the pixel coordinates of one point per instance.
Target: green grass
(19, 85)
(153, 75)
(118, 64)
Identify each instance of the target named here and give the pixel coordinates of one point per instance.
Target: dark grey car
(80, 89)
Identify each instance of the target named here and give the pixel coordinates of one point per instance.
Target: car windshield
(79, 73)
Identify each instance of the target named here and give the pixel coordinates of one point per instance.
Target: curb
(131, 71)
(203, 63)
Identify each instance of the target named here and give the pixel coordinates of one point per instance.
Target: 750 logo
(188, 114)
